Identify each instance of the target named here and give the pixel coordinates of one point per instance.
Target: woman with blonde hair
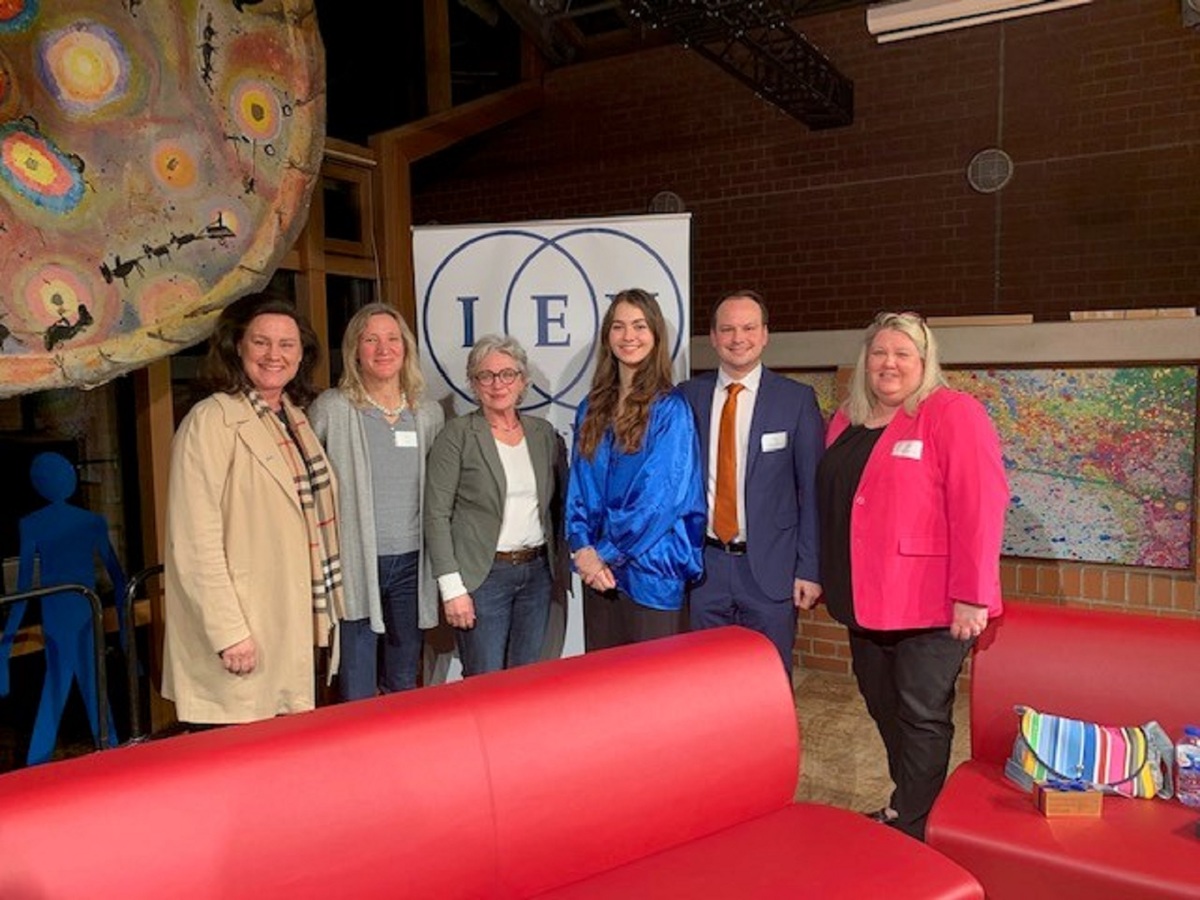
(377, 431)
(911, 495)
(635, 502)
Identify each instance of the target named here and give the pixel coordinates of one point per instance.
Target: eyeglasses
(504, 376)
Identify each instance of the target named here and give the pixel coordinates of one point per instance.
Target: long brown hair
(653, 377)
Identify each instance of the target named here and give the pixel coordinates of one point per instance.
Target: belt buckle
(519, 557)
(733, 548)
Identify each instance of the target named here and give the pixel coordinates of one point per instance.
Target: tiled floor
(842, 758)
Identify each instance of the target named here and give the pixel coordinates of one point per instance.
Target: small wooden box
(1052, 802)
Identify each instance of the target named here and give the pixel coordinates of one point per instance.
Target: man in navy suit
(761, 568)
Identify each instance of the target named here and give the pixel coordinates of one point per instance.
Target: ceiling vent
(667, 202)
(902, 19)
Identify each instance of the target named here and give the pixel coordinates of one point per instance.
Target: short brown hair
(748, 294)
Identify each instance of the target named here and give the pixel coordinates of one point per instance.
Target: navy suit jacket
(780, 485)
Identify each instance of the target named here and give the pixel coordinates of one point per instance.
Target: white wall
(1116, 341)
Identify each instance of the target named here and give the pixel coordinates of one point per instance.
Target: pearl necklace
(387, 411)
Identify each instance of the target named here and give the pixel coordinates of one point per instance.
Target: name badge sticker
(405, 439)
(908, 449)
(775, 440)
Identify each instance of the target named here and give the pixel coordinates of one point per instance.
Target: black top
(838, 475)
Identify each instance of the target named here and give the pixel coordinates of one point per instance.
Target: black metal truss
(753, 41)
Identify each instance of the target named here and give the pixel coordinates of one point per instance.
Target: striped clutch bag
(1132, 761)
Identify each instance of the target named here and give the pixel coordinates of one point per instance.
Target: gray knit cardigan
(338, 424)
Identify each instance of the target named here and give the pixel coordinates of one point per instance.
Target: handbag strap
(1017, 775)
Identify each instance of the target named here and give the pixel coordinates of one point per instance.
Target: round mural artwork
(156, 162)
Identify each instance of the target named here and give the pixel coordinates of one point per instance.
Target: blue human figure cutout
(66, 541)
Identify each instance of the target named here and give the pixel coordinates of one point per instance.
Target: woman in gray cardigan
(376, 432)
(489, 527)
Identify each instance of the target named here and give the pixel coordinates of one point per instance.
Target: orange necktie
(725, 507)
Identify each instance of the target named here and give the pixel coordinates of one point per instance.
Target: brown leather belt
(524, 555)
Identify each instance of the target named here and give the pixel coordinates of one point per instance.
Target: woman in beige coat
(251, 542)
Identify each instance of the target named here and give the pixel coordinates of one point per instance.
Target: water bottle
(1187, 767)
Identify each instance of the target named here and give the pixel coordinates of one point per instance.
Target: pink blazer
(928, 516)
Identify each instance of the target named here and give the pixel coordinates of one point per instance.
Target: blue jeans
(512, 607)
(360, 674)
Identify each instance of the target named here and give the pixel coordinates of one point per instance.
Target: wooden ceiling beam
(398, 148)
(438, 96)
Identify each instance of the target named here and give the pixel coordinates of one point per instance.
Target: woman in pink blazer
(912, 495)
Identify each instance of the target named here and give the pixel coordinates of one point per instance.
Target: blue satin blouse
(644, 513)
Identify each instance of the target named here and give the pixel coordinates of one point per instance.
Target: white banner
(548, 284)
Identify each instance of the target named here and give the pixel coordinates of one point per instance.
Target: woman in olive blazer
(490, 493)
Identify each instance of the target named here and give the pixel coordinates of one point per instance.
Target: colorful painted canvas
(1101, 461)
(156, 162)
(824, 384)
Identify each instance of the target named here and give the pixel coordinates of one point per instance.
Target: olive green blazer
(465, 489)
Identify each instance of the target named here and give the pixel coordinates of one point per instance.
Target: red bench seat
(1111, 668)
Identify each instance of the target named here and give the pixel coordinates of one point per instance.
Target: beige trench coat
(236, 566)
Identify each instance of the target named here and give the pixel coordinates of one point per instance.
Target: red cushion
(803, 850)
(312, 805)
(1137, 848)
(627, 752)
(499, 786)
(1106, 667)
(503, 786)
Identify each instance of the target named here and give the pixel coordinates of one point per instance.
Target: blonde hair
(911, 325)
(412, 384)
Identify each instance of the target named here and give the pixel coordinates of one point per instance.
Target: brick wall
(821, 643)
(1098, 106)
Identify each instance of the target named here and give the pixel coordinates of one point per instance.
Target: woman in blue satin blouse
(635, 502)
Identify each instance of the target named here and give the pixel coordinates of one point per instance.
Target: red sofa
(665, 769)
(1112, 668)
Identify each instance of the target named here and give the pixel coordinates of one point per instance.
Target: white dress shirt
(745, 412)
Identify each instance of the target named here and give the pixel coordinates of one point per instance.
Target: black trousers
(613, 618)
(907, 680)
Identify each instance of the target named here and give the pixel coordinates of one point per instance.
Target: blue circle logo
(550, 292)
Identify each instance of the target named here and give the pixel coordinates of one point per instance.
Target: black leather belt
(735, 548)
(524, 555)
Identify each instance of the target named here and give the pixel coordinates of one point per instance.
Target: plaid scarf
(314, 487)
